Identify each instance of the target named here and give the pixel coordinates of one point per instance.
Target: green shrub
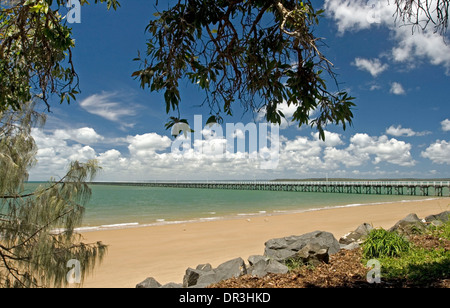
(402, 260)
(381, 243)
(418, 266)
(442, 231)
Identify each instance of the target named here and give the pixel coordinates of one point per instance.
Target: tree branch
(33, 193)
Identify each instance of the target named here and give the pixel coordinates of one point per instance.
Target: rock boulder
(261, 266)
(148, 283)
(437, 219)
(409, 225)
(313, 254)
(357, 236)
(229, 269)
(204, 275)
(282, 249)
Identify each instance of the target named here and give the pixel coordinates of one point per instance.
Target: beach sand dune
(165, 252)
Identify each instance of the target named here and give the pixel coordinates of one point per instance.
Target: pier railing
(415, 188)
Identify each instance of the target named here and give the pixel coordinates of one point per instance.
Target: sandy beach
(165, 252)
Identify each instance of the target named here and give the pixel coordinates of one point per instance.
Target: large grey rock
(409, 225)
(148, 283)
(172, 285)
(231, 268)
(204, 275)
(261, 266)
(204, 267)
(190, 277)
(436, 223)
(280, 254)
(281, 249)
(208, 277)
(256, 258)
(364, 229)
(438, 219)
(276, 267)
(358, 236)
(313, 253)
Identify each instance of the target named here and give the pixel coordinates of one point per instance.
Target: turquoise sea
(131, 206)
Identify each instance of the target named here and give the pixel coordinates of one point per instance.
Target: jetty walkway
(413, 188)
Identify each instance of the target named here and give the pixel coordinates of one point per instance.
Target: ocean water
(132, 206)
(112, 206)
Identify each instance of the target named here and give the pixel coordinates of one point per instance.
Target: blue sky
(401, 122)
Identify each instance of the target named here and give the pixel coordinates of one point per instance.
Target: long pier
(413, 188)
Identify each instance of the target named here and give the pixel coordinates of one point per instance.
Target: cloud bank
(408, 49)
(152, 156)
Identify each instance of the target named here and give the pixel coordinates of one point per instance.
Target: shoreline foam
(161, 222)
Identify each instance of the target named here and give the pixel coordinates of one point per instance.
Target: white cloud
(152, 156)
(397, 89)
(114, 165)
(407, 132)
(422, 45)
(309, 155)
(304, 146)
(399, 131)
(374, 87)
(438, 152)
(55, 154)
(145, 146)
(87, 135)
(109, 156)
(445, 125)
(288, 112)
(392, 151)
(355, 15)
(84, 135)
(374, 66)
(350, 15)
(331, 139)
(82, 154)
(307, 147)
(109, 106)
(344, 157)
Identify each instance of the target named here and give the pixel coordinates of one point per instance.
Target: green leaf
(211, 120)
(137, 73)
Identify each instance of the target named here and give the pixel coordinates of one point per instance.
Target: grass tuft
(381, 243)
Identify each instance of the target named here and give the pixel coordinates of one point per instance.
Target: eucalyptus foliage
(37, 237)
(258, 54)
(36, 52)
